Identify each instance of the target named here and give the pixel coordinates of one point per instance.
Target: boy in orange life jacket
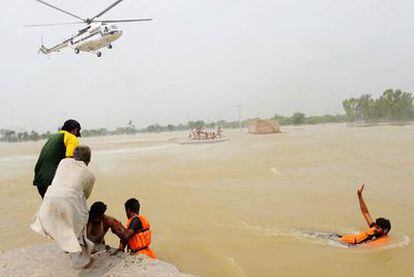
(379, 228)
(138, 234)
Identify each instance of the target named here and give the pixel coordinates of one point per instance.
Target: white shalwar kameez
(64, 214)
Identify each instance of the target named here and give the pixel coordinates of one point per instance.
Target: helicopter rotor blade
(61, 10)
(125, 20)
(53, 24)
(106, 10)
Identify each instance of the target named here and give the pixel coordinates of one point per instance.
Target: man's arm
(124, 237)
(130, 232)
(364, 208)
(116, 227)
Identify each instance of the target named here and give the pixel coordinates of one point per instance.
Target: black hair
(71, 125)
(97, 209)
(384, 223)
(132, 205)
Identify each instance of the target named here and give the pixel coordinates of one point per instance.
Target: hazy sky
(198, 59)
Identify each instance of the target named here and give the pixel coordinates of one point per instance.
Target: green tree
(282, 120)
(196, 124)
(395, 105)
(34, 136)
(298, 118)
(350, 106)
(392, 105)
(366, 108)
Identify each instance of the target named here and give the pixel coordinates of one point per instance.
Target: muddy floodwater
(250, 206)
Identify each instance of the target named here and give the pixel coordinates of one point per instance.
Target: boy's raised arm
(363, 206)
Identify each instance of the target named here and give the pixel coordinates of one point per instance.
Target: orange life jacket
(359, 238)
(141, 240)
(381, 241)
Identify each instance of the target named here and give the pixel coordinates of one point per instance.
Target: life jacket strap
(142, 230)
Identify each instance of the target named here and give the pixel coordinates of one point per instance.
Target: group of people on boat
(64, 183)
(201, 134)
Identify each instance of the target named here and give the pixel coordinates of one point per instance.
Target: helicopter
(96, 35)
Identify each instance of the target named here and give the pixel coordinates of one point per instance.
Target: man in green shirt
(61, 145)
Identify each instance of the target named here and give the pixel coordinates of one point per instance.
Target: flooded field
(244, 207)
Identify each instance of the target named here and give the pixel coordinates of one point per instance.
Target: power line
(239, 107)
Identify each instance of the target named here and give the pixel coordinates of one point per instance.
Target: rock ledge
(48, 260)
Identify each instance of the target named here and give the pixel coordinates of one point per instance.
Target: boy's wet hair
(97, 209)
(132, 205)
(384, 223)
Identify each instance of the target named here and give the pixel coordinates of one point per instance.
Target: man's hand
(359, 192)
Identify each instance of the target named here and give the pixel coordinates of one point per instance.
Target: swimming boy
(377, 229)
(138, 234)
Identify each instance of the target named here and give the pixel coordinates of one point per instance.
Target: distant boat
(200, 141)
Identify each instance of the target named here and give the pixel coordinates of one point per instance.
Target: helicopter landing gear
(98, 54)
(109, 46)
(77, 51)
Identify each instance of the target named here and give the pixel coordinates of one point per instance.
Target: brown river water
(250, 206)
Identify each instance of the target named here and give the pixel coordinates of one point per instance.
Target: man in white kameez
(64, 214)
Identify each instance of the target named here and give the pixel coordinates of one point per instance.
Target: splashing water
(322, 238)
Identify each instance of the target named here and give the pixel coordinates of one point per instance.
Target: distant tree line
(13, 136)
(300, 118)
(295, 119)
(392, 105)
(157, 128)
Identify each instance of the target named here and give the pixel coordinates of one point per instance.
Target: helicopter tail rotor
(42, 48)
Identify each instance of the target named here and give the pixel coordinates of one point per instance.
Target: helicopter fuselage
(89, 39)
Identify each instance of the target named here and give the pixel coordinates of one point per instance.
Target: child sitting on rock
(99, 223)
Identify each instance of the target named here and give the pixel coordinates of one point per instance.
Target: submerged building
(263, 126)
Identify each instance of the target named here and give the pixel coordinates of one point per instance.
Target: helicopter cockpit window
(106, 29)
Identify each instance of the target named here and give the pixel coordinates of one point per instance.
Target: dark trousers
(42, 191)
